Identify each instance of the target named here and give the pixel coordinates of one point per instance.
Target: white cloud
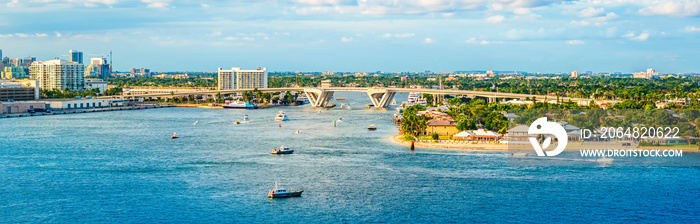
(58, 34)
(692, 29)
(575, 42)
(12, 3)
(324, 2)
(398, 35)
(475, 41)
(681, 8)
(41, 35)
(598, 21)
(6, 35)
(346, 39)
(206, 6)
(591, 12)
(428, 40)
(580, 23)
(521, 11)
(495, 19)
(632, 36)
(157, 3)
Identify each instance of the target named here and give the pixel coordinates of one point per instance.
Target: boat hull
(282, 152)
(285, 195)
(240, 107)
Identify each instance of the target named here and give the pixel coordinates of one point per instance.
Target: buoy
(413, 147)
(280, 125)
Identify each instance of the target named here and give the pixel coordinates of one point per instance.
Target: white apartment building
(58, 74)
(237, 78)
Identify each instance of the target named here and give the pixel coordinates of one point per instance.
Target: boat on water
(238, 121)
(195, 122)
(393, 103)
(282, 150)
(281, 116)
(245, 117)
(372, 127)
(174, 136)
(240, 105)
(302, 99)
(340, 119)
(280, 192)
(340, 99)
(604, 160)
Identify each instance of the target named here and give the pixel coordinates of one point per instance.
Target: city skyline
(336, 35)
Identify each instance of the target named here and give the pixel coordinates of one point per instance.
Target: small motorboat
(604, 160)
(282, 150)
(298, 131)
(195, 122)
(340, 119)
(238, 121)
(372, 127)
(174, 136)
(281, 116)
(280, 192)
(245, 118)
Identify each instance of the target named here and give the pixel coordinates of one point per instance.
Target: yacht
(282, 150)
(301, 99)
(604, 160)
(280, 192)
(240, 105)
(281, 116)
(372, 127)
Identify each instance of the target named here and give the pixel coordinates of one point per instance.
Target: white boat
(604, 160)
(372, 127)
(393, 103)
(195, 122)
(245, 118)
(282, 150)
(281, 116)
(280, 192)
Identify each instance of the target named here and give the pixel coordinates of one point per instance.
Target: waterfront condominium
(237, 78)
(58, 74)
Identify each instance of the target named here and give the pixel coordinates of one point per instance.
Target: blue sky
(361, 35)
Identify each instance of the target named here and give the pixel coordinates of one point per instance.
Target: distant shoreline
(576, 146)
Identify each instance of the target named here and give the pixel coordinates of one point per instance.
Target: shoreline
(577, 146)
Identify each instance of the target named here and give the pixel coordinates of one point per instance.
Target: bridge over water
(380, 97)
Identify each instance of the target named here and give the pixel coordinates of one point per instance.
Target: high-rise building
(58, 74)
(237, 78)
(0, 53)
(14, 72)
(574, 74)
(75, 56)
(98, 68)
(650, 74)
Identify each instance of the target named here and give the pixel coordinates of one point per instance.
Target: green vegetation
(412, 123)
(201, 82)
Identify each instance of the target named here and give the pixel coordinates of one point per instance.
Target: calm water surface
(122, 167)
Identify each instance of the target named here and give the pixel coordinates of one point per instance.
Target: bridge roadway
(380, 97)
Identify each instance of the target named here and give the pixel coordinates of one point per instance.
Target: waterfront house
(443, 127)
